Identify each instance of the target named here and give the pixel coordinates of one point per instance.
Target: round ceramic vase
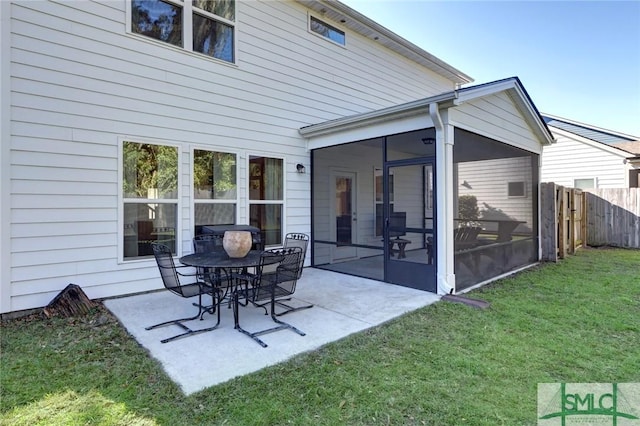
(237, 243)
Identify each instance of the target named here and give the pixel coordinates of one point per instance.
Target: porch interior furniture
(397, 224)
(294, 239)
(466, 237)
(429, 250)
(171, 278)
(397, 229)
(267, 285)
(506, 228)
(401, 243)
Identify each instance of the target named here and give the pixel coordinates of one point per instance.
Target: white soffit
(347, 17)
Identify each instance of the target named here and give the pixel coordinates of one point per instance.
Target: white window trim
(247, 197)
(331, 24)
(122, 200)
(187, 31)
(235, 201)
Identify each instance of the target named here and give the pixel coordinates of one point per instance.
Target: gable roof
(355, 21)
(609, 137)
(456, 97)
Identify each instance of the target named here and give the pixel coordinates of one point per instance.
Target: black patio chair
(266, 285)
(294, 240)
(212, 243)
(171, 280)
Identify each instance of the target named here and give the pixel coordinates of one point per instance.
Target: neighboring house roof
(609, 137)
(455, 97)
(360, 24)
(615, 142)
(630, 147)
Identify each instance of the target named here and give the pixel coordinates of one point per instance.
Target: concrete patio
(343, 305)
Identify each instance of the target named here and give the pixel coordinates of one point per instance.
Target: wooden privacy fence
(613, 217)
(563, 224)
(571, 218)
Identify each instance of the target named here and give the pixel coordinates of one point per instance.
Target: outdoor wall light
(300, 168)
(428, 141)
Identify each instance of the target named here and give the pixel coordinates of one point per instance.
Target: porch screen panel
(495, 205)
(419, 143)
(345, 199)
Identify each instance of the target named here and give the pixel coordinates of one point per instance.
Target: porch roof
(420, 107)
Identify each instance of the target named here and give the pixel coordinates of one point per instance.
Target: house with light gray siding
(586, 156)
(126, 123)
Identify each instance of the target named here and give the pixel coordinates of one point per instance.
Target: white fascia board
(371, 130)
(519, 96)
(599, 145)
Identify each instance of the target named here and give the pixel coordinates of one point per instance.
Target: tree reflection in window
(150, 171)
(212, 38)
(157, 19)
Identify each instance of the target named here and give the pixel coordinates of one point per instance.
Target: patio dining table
(220, 260)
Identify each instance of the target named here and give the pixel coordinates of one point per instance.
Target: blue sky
(577, 59)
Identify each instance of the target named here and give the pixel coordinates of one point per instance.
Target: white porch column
(445, 276)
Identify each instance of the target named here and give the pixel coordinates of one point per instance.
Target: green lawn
(446, 364)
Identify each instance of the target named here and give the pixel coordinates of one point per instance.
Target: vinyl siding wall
(80, 85)
(569, 159)
(490, 186)
(497, 117)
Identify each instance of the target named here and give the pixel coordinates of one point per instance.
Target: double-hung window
(150, 197)
(215, 188)
(203, 26)
(266, 197)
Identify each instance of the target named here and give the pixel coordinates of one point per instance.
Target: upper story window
(204, 26)
(325, 30)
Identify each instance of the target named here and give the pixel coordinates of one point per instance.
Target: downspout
(444, 202)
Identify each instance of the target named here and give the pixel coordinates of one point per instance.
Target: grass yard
(446, 364)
